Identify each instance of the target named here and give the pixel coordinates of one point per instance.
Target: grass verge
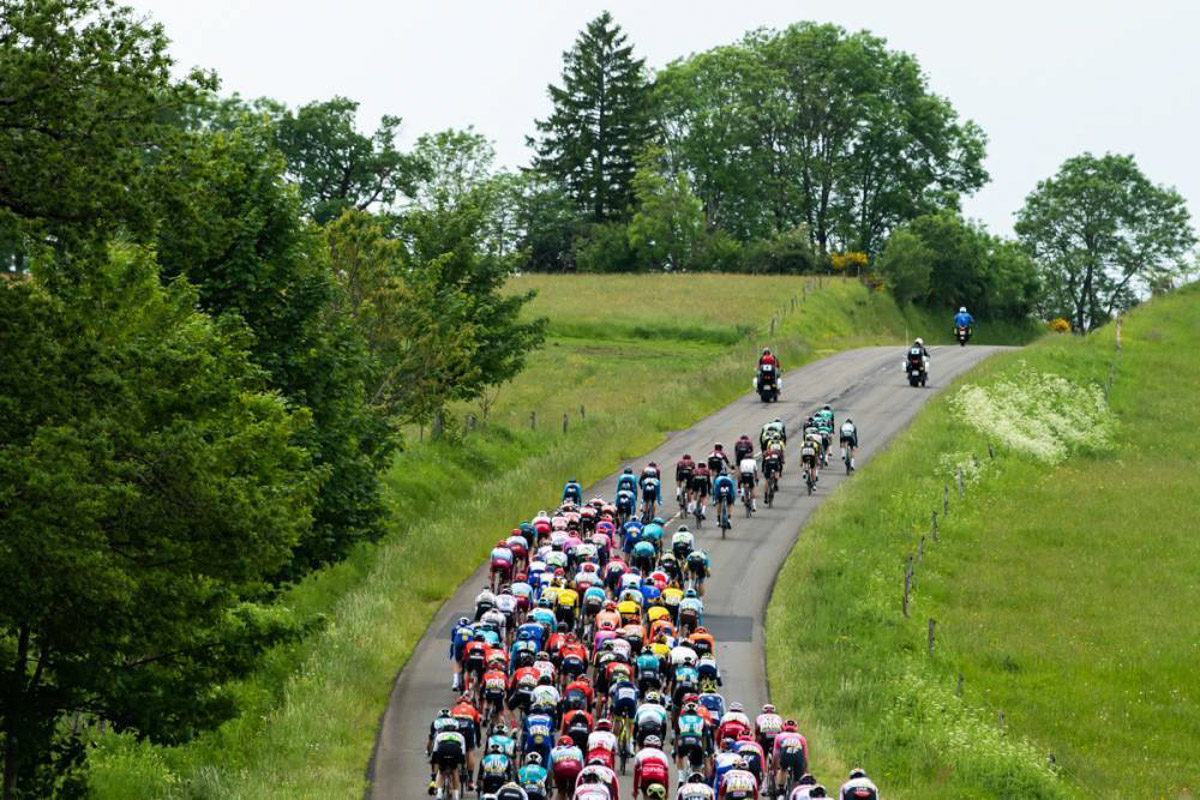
(1063, 584)
(644, 355)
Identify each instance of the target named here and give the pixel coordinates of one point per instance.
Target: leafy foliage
(84, 85)
(1102, 232)
(149, 484)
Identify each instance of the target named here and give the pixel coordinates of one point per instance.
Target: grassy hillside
(1063, 585)
(643, 355)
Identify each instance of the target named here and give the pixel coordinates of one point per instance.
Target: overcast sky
(1046, 80)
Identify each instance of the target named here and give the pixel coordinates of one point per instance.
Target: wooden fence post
(945, 500)
(908, 573)
(582, 413)
(933, 525)
(958, 476)
(565, 420)
(932, 626)
(958, 689)
(533, 420)
(920, 549)
(991, 452)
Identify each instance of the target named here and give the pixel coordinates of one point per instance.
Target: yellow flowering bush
(1059, 325)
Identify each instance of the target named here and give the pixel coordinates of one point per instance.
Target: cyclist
(691, 611)
(858, 786)
(447, 752)
(825, 424)
(790, 754)
(698, 568)
(684, 468)
(572, 492)
(696, 788)
(566, 762)
(748, 478)
(533, 777)
(460, 637)
(767, 725)
(773, 430)
(718, 460)
(683, 541)
(627, 481)
(810, 450)
(700, 487)
(739, 783)
(725, 489)
(772, 464)
(495, 769)
(742, 448)
(651, 768)
(651, 719)
(602, 743)
(689, 739)
(848, 437)
(511, 791)
(651, 493)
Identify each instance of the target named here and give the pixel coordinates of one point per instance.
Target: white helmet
(920, 340)
(962, 309)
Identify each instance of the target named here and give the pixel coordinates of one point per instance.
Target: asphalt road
(868, 385)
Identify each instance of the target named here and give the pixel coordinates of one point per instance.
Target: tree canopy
(1101, 233)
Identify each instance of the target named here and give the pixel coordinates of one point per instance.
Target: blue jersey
(574, 492)
(627, 483)
(650, 490)
(532, 775)
(538, 732)
(963, 319)
(458, 640)
(725, 487)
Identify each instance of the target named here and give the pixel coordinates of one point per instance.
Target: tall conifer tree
(600, 123)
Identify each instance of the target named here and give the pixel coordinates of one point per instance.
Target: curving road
(868, 385)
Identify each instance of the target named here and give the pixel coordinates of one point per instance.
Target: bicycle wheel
(847, 460)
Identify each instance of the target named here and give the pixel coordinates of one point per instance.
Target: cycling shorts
(747, 479)
(448, 754)
(701, 489)
(624, 706)
(808, 458)
(791, 760)
(852, 439)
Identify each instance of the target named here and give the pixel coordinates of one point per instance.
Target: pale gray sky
(1046, 80)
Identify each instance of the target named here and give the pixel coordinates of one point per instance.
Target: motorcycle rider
(963, 319)
(768, 357)
(918, 348)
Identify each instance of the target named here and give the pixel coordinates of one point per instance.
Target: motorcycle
(915, 367)
(962, 333)
(767, 383)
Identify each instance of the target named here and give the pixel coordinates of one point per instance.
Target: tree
(149, 482)
(817, 127)
(547, 222)
(336, 167)
(1103, 234)
(668, 227)
(417, 328)
(905, 265)
(600, 123)
(84, 89)
(233, 226)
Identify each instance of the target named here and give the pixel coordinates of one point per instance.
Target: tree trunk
(10, 718)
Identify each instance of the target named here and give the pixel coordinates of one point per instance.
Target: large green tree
(85, 87)
(1103, 234)
(817, 127)
(600, 123)
(233, 226)
(149, 482)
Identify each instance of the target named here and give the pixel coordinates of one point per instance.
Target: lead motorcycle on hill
(768, 383)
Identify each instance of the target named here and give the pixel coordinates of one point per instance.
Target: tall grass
(644, 355)
(1063, 589)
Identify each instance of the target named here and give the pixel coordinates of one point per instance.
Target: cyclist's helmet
(652, 464)
(826, 407)
(495, 748)
(718, 446)
(817, 791)
(696, 777)
(628, 471)
(604, 724)
(768, 708)
(858, 772)
(766, 351)
(501, 729)
(656, 791)
(777, 419)
(690, 593)
(806, 780)
(533, 758)
(543, 655)
(653, 741)
(790, 726)
(653, 697)
(736, 708)
(659, 521)
(743, 763)
(565, 740)
(445, 712)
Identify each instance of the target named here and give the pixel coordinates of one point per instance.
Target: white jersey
(849, 788)
(748, 466)
(695, 791)
(848, 429)
(602, 740)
